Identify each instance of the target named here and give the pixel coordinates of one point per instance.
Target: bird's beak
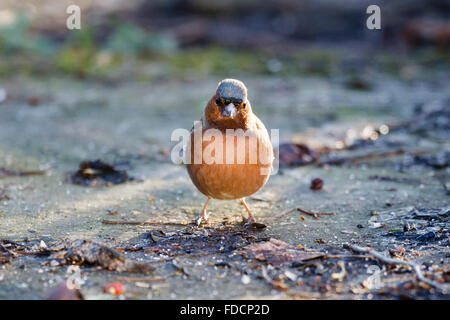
(229, 110)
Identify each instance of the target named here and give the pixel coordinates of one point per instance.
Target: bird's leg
(251, 218)
(203, 215)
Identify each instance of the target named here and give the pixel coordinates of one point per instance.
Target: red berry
(114, 288)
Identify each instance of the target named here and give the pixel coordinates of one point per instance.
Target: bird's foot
(248, 222)
(199, 221)
(251, 219)
(202, 219)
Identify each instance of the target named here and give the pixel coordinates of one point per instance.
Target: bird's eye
(218, 101)
(244, 105)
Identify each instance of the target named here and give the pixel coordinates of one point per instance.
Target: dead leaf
(277, 252)
(88, 252)
(98, 173)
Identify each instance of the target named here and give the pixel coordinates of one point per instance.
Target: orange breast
(229, 165)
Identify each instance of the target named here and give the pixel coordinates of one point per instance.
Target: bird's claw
(202, 219)
(248, 222)
(199, 221)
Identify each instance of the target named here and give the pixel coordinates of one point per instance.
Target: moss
(316, 62)
(17, 38)
(432, 57)
(129, 38)
(216, 60)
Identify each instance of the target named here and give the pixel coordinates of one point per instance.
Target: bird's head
(229, 107)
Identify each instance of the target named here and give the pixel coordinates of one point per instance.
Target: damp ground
(49, 125)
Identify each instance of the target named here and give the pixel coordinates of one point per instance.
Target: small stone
(54, 263)
(316, 184)
(245, 279)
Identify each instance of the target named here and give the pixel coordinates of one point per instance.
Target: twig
(368, 156)
(9, 172)
(33, 253)
(184, 254)
(388, 260)
(11, 252)
(338, 256)
(281, 214)
(401, 180)
(140, 278)
(302, 295)
(443, 182)
(316, 214)
(146, 223)
(287, 211)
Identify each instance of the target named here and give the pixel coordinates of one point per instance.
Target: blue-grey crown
(232, 89)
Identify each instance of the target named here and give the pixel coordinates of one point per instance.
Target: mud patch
(202, 241)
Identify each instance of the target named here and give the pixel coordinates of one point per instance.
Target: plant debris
(316, 214)
(397, 252)
(146, 223)
(437, 161)
(287, 211)
(277, 252)
(34, 100)
(4, 172)
(4, 196)
(98, 173)
(444, 288)
(62, 292)
(357, 83)
(5, 253)
(12, 249)
(87, 252)
(423, 227)
(399, 179)
(294, 154)
(316, 184)
(339, 160)
(258, 225)
(202, 241)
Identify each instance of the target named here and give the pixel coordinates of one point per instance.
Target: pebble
(245, 279)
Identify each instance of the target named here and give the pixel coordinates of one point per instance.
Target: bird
(227, 168)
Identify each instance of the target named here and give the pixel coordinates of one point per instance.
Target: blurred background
(136, 66)
(145, 39)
